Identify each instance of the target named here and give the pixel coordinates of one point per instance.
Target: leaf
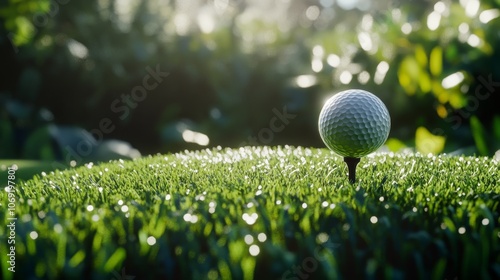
(451, 52)
(421, 56)
(24, 31)
(115, 260)
(450, 225)
(479, 135)
(424, 82)
(456, 98)
(408, 74)
(439, 269)
(236, 251)
(225, 271)
(394, 144)
(61, 250)
(426, 142)
(77, 258)
(436, 61)
(248, 267)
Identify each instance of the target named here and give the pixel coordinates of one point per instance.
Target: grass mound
(265, 213)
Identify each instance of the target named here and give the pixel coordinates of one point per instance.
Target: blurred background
(95, 80)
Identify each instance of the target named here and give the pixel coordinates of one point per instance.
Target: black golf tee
(351, 166)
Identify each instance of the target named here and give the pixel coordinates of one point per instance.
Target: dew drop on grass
(304, 205)
(485, 222)
(381, 199)
(278, 202)
(250, 205)
(124, 208)
(168, 197)
(324, 204)
(461, 230)
(373, 220)
(41, 214)
(90, 208)
(250, 219)
(262, 237)
(26, 218)
(58, 228)
(322, 238)
(194, 219)
(248, 239)
(151, 241)
(120, 202)
(346, 227)
(95, 217)
(332, 206)
(33, 235)
(254, 250)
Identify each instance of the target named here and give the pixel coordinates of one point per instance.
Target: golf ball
(354, 123)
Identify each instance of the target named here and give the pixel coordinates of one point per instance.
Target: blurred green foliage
(230, 63)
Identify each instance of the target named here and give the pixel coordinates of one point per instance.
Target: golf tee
(351, 166)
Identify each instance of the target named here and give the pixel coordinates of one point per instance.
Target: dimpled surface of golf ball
(354, 123)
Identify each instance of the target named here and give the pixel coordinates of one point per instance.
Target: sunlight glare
(195, 137)
(433, 20)
(452, 80)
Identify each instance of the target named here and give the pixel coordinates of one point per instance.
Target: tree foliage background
(232, 64)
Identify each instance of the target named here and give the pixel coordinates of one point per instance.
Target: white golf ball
(354, 123)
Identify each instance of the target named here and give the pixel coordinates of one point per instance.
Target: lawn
(263, 213)
(26, 169)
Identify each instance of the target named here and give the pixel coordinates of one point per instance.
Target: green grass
(26, 168)
(199, 214)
